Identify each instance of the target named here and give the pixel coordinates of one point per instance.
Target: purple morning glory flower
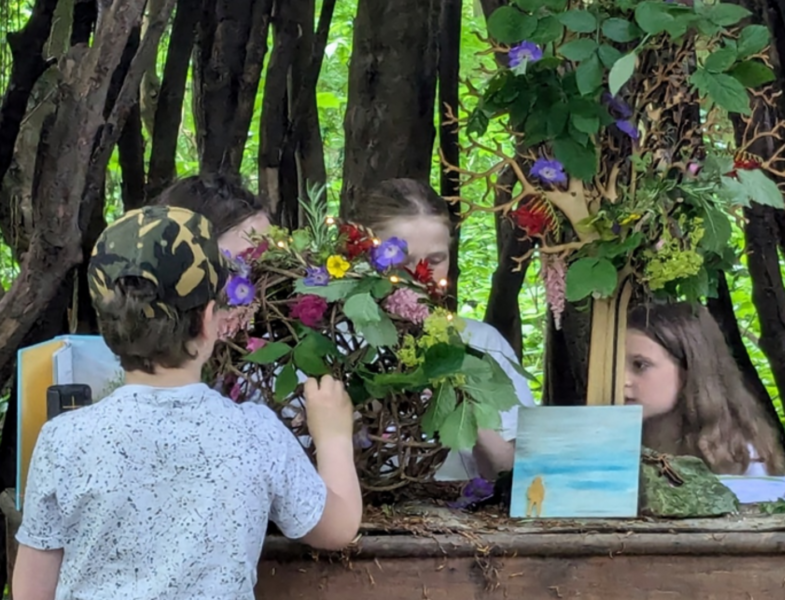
(549, 171)
(527, 52)
(389, 253)
(239, 265)
(476, 490)
(317, 276)
(617, 105)
(240, 291)
(361, 439)
(629, 128)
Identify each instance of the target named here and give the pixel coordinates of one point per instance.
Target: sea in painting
(577, 462)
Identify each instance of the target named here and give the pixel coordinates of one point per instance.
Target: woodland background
(105, 103)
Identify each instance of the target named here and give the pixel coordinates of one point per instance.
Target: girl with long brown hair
(694, 400)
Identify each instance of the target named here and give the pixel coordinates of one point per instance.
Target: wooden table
(420, 552)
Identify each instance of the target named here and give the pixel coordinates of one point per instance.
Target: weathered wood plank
(530, 578)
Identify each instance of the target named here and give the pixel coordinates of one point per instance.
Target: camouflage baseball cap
(174, 248)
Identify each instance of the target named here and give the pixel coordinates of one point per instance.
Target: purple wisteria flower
(617, 106)
(240, 291)
(549, 171)
(476, 490)
(316, 276)
(389, 253)
(525, 52)
(629, 128)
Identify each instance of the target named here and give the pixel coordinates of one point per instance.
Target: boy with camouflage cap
(163, 489)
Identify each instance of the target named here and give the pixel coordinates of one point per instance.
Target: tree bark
(168, 114)
(449, 142)
(55, 246)
(392, 88)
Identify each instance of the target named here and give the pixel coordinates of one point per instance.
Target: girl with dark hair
(695, 403)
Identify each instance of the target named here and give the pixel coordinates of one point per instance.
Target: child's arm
(324, 509)
(37, 567)
(329, 413)
(36, 573)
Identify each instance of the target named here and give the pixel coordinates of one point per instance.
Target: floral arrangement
(617, 167)
(332, 298)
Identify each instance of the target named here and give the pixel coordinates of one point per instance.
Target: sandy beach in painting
(586, 458)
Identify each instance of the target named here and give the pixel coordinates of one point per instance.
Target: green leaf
(621, 72)
(695, 287)
(557, 119)
(761, 188)
(442, 360)
(620, 30)
(726, 91)
(578, 50)
(508, 25)
(752, 40)
(579, 21)
(476, 368)
(399, 381)
(337, 289)
(614, 248)
(382, 288)
(717, 230)
(653, 17)
(589, 276)
(478, 122)
(487, 417)
(720, 60)
(529, 6)
(555, 5)
(608, 55)
(308, 359)
(441, 405)
(579, 161)
(459, 430)
(588, 75)
(549, 29)
(725, 14)
(752, 74)
(363, 308)
(269, 353)
(301, 238)
(378, 333)
(285, 383)
(587, 125)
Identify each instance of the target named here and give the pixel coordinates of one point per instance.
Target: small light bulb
(442, 283)
(376, 241)
(281, 244)
(330, 220)
(394, 279)
(449, 317)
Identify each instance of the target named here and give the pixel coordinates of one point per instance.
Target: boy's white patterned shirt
(157, 493)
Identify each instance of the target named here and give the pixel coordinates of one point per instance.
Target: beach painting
(577, 462)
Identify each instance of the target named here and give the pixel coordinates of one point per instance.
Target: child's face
(235, 240)
(427, 237)
(652, 377)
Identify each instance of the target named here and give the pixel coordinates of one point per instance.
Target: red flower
(309, 309)
(358, 242)
(422, 272)
(744, 162)
(251, 254)
(532, 218)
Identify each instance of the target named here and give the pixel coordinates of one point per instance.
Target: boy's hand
(328, 409)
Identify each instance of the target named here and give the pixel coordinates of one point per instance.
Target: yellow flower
(337, 266)
(630, 219)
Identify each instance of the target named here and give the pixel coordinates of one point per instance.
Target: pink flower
(553, 272)
(236, 319)
(309, 309)
(235, 392)
(405, 303)
(254, 343)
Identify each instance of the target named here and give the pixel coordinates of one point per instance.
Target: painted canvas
(577, 462)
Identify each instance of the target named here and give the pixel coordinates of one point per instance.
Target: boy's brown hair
(718, 419)
(152, 274)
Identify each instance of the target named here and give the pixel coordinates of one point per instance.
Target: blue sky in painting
(588, 458)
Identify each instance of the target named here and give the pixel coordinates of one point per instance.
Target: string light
(394, 278)
(376, 241)
(442, 283)
(281, 244)
(330, 220)
(449, 317)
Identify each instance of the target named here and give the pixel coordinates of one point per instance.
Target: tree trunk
(392, 88)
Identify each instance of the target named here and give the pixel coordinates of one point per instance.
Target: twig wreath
(611, 153)
(332, 298)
